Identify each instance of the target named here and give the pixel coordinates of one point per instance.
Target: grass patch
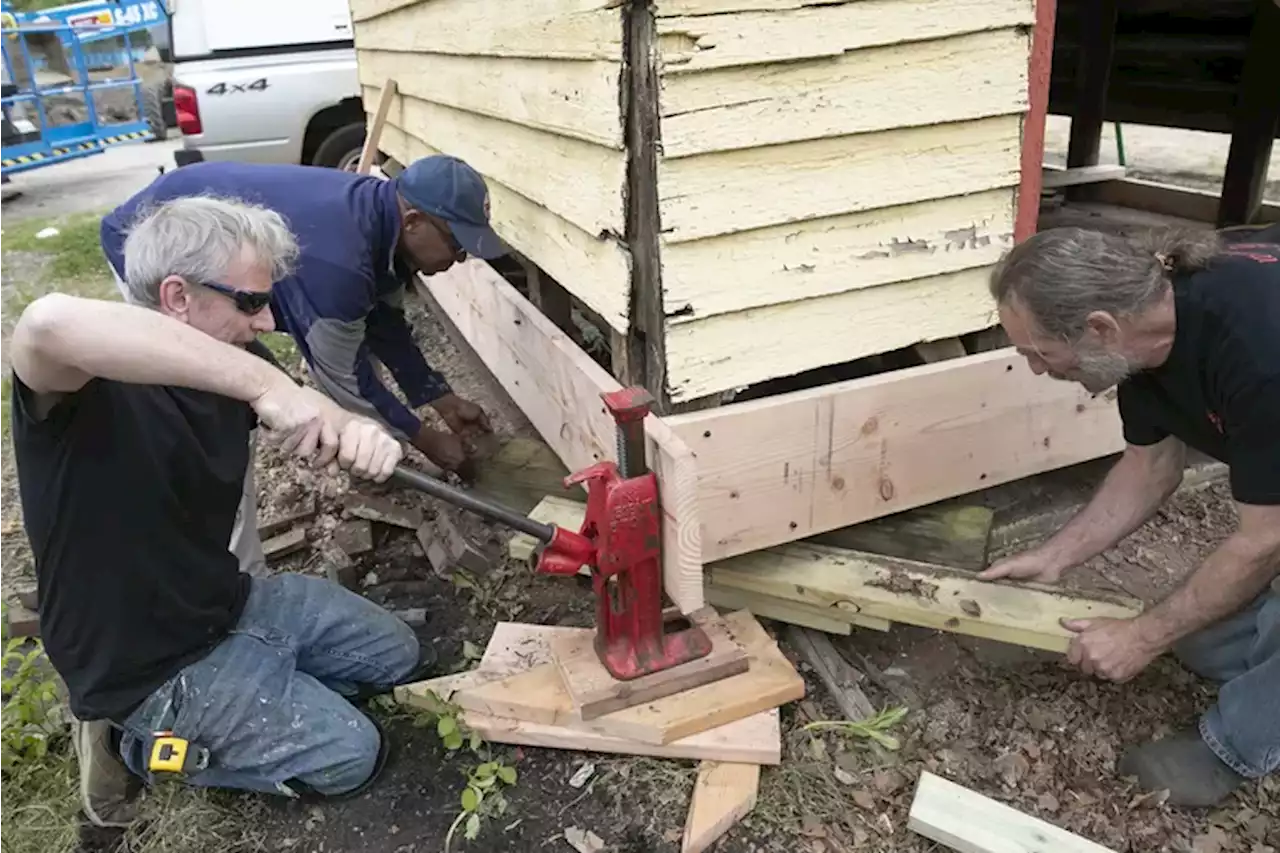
(41, 803)
(76, 249)
(285, 350)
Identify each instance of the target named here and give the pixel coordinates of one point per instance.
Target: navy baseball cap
(446, 187)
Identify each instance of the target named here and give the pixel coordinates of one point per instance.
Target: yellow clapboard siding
(698, 42)
(732, 350)
(363, 10)
(597, 271)
(546, 29)
(733, 191)
(902, 85)
(822, 257)
(576, 180)
(578, 99)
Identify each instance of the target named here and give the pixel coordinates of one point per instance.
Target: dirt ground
(1012, 724)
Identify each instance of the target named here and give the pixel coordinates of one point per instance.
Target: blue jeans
(1243, 653)
(269, 701)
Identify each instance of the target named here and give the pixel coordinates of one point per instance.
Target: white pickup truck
(266, 81)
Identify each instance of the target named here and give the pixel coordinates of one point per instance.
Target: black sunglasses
(247, 301)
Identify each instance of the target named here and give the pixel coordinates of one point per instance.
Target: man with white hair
(130, 425)
(1188, 327)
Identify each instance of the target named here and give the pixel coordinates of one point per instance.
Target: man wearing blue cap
(361, 240)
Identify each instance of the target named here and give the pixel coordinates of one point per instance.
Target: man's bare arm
(1133, 490)
(1231, 577)
(61, 342)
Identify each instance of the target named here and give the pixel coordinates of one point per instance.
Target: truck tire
(153, 111)
(341, 149)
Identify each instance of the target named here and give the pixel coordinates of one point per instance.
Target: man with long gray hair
(1188, 327)
(130, 426)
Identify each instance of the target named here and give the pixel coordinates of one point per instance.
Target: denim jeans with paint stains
(1243, 653)
(269, 701)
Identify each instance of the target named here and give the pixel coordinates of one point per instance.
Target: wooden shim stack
(517, 695)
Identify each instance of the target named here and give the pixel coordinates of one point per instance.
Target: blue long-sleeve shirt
(344, 303)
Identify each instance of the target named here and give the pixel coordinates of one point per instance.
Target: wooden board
(1166, 199)
(966, 821)
(700, 41)
(708, 356)
(549, 29)
(517, 648)
(1056, 177)
(538, 695)
(836, 254)
(577, 99)
(594, 692)
(533, 163)
(558, 388)
(593, 269)
(706, 195)
(788, 467)
(949, 533)
(722, 795)
(918, 594)
(899, 85)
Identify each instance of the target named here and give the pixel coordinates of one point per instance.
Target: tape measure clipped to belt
(177, 756)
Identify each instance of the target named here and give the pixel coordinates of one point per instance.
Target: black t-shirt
(1219, 390)
(129, 494)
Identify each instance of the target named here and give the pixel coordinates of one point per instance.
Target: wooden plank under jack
(919, 594)
(724, 793)
(521, 649)
(538, 695)
(595, 692)
(966, 821)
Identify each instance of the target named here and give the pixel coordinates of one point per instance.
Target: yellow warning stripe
(84, 146)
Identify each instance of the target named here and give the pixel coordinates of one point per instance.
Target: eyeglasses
(247, 301)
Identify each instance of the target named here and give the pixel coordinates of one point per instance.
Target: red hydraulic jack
(620, 539)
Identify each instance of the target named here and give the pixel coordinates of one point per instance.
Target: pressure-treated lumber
(558, 388)
(594, 692)
(919, 594)
(966, 821)
(722, 795)
(948, 533)
(788, 467)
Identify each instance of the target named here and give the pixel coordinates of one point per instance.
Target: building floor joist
(752, 475)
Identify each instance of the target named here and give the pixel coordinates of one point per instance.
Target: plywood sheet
(548, 29)
(592, 268)
(576, 99)
(732, 191)
(535, 164)
(787, 467)
(824, 257)
(720, 37)
(732, 350)
(901, 85)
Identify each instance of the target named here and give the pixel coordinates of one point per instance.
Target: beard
(1098, 370)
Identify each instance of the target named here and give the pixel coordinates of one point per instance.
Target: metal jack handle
(566, 550)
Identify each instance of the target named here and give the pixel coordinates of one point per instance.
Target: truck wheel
(341, 149)
(153, 111)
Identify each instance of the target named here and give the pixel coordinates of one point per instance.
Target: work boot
(107, 787)
(1185, 765)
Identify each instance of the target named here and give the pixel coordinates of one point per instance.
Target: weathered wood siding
(835, 179)
(527, 92)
